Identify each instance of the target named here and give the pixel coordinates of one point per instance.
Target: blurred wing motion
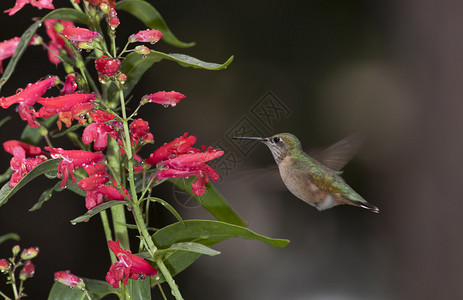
(339, 154)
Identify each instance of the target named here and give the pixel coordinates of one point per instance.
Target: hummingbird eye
(276, 139)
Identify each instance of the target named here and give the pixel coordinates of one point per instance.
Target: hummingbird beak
(260, 139)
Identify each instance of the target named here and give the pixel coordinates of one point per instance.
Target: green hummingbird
(317, 182)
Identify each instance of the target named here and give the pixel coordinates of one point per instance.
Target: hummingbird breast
(299, 183)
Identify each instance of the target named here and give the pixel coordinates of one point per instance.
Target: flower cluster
(127, 266)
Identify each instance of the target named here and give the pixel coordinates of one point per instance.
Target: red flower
(78, 34)
(56, 41)
(68, 107)
(70, 85)
(28, 97)
(128, 266)
(66, 278)
(7, 49)
(146, 36)
(95, 188)
(107, 66)
(72, 159)
(164, 98)
(30, 150)
(27, 271)
(37, 3)
(179, 159)
(139, 131)
(100, 129)
(180, 145)
(23, 161)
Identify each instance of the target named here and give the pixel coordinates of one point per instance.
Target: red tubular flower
(8, 47)
(27, 271)
(28, 97)
(30, 94)
(78, 34)
(72, 159)
(107, 66)
(56, 41)
(146, 36)
(68, 107)
(37, 3)
(23, 160)
(99, 130)
(139, 131)
(180, 145)
(128, 266)
(30, 150)
(71, 280)
(164, 98)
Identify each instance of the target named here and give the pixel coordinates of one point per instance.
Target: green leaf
(4, 120)
(134, 66)
(33, 135)
(47, 166)
(140, 289)
(205, 232)
(192, 247)
(212, 201)
(46, 195)
(67, 130)
(149, 16)
(6, 175)
(167, 206)
(97, 209)
(61, 13)
(9, 236)
(96, 288)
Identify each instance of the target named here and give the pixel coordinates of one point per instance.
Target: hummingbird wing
(339, 154)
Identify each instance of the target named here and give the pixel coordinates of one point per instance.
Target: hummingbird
(317, 182)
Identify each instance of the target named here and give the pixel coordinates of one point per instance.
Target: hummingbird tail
(368, 206)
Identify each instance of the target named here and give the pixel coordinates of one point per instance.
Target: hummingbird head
(281, 145)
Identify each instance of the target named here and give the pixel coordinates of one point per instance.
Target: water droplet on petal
(19, 91)
(166, 105)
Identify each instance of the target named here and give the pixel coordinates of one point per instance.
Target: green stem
(165, 272)
(4, 296)
(108, 233)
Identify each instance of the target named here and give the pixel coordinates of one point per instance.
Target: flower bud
(71, 280)
(142, 50)
(29, 253)
(4, 265)
(16, 250)
(27, 271)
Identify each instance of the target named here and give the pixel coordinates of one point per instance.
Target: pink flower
(72, 159)
(100, 129)
(164, 98)
(146, 36)
(107, 66)
(7, 49)
(78, 34)
(128, 266)
(180, 145)
(66, 278)
(27, 271)
(23, 161)
(56, 41)
(28, 97)
(37, 3)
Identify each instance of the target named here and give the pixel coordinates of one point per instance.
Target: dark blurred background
(389, 70)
